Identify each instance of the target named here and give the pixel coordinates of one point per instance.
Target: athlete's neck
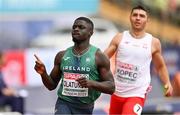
(79, 50)
(137, 34)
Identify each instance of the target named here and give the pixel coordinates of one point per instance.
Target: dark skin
(81, 33)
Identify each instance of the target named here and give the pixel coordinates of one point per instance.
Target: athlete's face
(81, 31)
(138, 19)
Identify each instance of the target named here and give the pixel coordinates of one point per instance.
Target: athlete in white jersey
(135, 49)
(133, 72)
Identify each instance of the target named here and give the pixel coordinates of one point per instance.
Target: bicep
(158, 60)
(103, 65)
(157, 57)
(105, 74)
(56, 73)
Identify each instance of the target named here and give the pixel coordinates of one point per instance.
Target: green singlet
(74, 67)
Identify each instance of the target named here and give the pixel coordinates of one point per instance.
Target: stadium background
(23, 20)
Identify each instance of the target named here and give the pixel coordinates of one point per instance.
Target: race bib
(71, 87)
(127, 73)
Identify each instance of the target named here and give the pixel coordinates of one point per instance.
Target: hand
(168, 90)
(84, 82)
(39, 66)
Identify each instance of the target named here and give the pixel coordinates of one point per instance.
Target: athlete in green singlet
(84, 72)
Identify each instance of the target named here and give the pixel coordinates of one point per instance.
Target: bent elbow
(50, 88)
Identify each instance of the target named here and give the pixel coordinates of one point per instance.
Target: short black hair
(87, 20)
(141, 8)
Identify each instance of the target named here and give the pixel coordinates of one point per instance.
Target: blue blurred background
(43, 27)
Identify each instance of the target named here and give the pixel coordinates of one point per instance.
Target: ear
(148, 19)
(91, 33)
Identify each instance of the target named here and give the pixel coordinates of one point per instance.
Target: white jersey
(133, 59)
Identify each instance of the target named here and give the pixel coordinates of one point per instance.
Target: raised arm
(50, 81)
(160, 66)
(110, 51)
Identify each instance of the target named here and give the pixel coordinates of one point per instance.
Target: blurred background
(43, 27)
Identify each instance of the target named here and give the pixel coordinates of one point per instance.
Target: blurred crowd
(167, 10)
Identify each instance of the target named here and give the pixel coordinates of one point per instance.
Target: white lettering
(76, 68)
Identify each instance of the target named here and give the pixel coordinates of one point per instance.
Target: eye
(135, 14)
(143, 16)
(74, 27)
(82, 27)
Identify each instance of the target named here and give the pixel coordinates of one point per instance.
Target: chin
(75, 40)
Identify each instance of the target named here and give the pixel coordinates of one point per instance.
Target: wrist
(167, 84)
(43, 74)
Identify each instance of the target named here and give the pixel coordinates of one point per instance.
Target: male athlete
(135, 49)
(84, 72)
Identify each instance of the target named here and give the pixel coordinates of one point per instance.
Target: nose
(76, 28)
(137, 17)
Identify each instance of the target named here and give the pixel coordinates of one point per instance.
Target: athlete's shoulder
(156, 45)
(118, 35)
(155, 41)
(116, 39)
(60, 54)
(101, 58)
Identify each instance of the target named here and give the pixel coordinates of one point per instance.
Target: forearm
(47, 81)
(161, 67)
(163, 74)
(105, 86)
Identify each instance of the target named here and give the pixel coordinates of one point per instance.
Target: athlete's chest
(77, 63)
(134, 49)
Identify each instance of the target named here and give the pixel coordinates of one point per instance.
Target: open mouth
(137, 23)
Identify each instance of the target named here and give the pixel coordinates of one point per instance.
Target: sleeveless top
(74, 67)
(132, 71)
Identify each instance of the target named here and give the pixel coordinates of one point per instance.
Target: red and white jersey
(132, 74)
